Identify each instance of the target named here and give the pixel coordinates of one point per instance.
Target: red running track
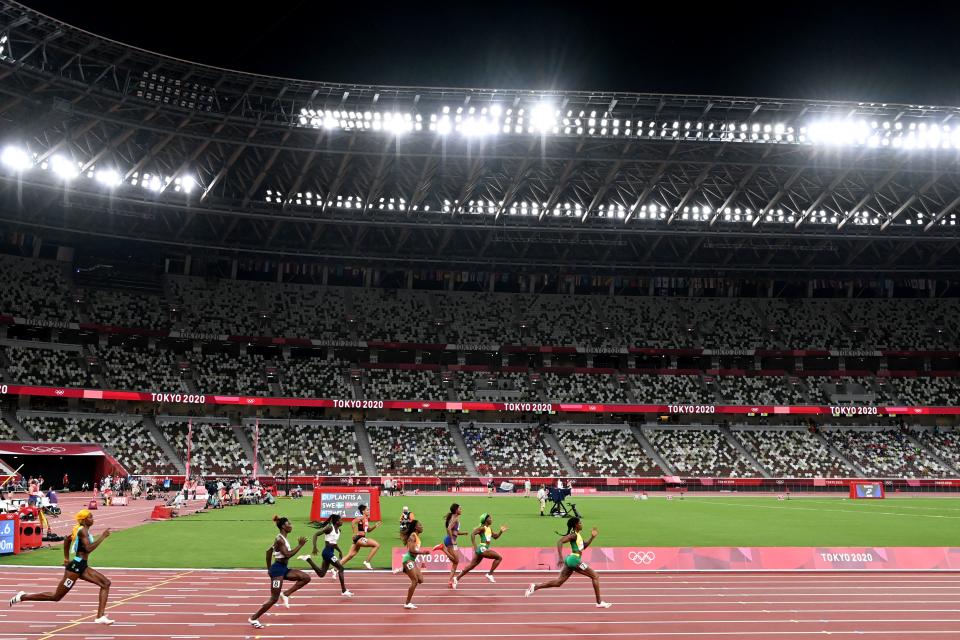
(200, 604)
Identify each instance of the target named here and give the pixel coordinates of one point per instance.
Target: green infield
(238, 536)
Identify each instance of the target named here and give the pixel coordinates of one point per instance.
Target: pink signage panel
(717, 559)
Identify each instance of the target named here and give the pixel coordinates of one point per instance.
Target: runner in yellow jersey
(573, 562)
(410, 535)
(482, 550)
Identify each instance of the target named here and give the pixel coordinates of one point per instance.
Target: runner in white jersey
(330, 530)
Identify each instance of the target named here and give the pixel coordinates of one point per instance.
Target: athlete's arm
(562, 541)
(270, 551)
(497, 534)
(103, 536)
(66, 548)
(315, 536)
(292, 552)
(593, 535)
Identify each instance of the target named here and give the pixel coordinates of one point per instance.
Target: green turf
(238, 536)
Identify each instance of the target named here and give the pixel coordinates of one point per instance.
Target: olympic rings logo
(642, 557)
(34, 449)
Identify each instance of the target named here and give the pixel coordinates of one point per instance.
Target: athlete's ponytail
(571, 524)
(407, 530)
(280, 521)
(453, 511)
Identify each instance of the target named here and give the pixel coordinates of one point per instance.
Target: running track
(200, 604)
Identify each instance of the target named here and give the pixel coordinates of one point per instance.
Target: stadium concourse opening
(53, 460)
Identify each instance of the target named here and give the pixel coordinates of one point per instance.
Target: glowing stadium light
(186, 184)
(543, 117)
(16, 158)
(153, 183)
(64, 167)
(109, 178)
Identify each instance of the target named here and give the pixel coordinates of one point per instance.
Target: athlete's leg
(590, 573)
(493, 555)
(95, 577)
(565, 574)
(69, 579)
(300, 579)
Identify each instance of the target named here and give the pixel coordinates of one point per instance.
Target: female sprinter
(482, 550)
(411, 540)
(573, 563)
(330, 530)
(277, 556)
(449, 545)
(76, 550)
(361, 528)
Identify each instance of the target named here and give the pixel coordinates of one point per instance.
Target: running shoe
(285, 600)
(333, 573)
(103, 620)
(16, 599)
(256, 624)
(530, 590)
(490, 578)
(347, 593)
(409, 605)
(604, 605)
(368, 565)
(305, 558)
(454, 583)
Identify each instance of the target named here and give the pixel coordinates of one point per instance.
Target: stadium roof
(107, 140)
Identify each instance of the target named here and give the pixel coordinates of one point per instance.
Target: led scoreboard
(866, 490)
(344, 501)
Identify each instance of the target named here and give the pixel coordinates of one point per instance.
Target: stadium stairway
(856, 468)
(240, 433)
(931, 453)
(151, 426)
(366, 453)
(650, 451)
(734, 442)
(462, 450)
(551, 439)
(10, 418)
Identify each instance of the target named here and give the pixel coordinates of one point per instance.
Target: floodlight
(16, 158)
(187, 183)
(108, 178)
(155, 184)
(64, 167)
(543, 117)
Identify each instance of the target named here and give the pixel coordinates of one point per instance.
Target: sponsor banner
(339, 343)
(199, 335)
(716, 559)
(729, 352)
(52, 324)
(600, 350)
(443, 405)
(126, 331)
(49, 449)
(476, 346)
(855, 353)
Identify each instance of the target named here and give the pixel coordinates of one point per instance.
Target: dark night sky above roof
(904, 53)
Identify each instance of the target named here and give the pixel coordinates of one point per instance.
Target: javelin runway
(199, 604)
